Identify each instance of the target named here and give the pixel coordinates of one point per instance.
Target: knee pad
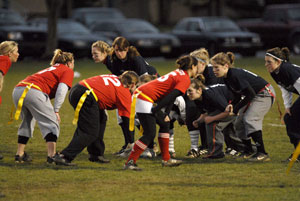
(50, 137)
(22, 139)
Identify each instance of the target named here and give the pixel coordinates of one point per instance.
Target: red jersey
(5, 64)
(162, 86)
(49, 78)
(111, 93)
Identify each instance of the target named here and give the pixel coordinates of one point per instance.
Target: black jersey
(286, 76)
(210, 77)
(215, 97)
(117, 66)
(239, 79)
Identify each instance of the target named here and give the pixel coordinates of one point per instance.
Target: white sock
(194, 135)
(171, 141)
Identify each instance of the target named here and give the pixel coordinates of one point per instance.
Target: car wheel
(295, 46)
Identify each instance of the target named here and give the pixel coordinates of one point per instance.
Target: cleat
(171, 163)
(245, 155)
(192, 154)
(119, 152)
(148, 153)
(172, 154)
(60, 160)
(98, 159)
(259, 157)
(130, 165)
(202, 152)
(126, 151)
(50, 160)
(22, 159)
(290, 159)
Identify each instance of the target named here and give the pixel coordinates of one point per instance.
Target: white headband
(271, 55)
(198, 59)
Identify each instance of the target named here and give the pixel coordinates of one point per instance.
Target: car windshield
(11, 18)
(71, 27)
(137, 27)
(92, 17)
(218, 25)
(294, 13)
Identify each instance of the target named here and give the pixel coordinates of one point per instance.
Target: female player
(258, 97)
(213, 101)
(119, 58)
(90, 98)
(9, 53)
(287, 76)
(163, 91)
(192, 111)
(32, 99)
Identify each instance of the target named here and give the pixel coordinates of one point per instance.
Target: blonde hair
(7, 46)
(202, 54)
(61, 57)
(223, 58)
(102, 46)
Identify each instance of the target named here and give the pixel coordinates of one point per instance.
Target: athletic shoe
(126, 151)
(131, 166)
(221, 155)
(148, 153)
(119, 152)
(245, 155)
(60, 160)
(22, 159)
(231, 152)
(259, 157)
(50, 160)
(171, 162)
(192, 154)
(290, 159)
(202, 152)
(98, 159)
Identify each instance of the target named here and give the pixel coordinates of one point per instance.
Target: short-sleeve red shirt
(49, 78)
(5, 64)
(162, 86)
(111, 93)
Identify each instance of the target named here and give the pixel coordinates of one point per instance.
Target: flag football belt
(132, 112)
(269, 91)
(81, 101)
(21, 101)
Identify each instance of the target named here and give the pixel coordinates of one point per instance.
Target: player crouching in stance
(90, 98)
(149, 99)
(287, 76)
(32, 99)
(214, 103)
(258, 98)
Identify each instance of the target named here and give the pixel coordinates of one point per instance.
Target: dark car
(31, 40)
(216, 34)
(72, 36)
(89, 15)
(144, 36)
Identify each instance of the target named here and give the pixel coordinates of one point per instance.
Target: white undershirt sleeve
(60, 95)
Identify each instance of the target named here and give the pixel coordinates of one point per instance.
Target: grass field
(196, 179)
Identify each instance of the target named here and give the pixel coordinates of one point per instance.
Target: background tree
(53, 8)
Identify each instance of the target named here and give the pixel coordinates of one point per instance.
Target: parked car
(89, 15)
(31, 40)
(143, 35)
(215, 34)
(72, 36)
(279, 26)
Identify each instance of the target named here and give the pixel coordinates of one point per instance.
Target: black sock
(248, 146)
(257, 138)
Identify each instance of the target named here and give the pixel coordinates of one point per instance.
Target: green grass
(225, 179)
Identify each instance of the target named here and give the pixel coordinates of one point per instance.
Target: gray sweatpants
(215, 135)
(37, 107)
(251, 120)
